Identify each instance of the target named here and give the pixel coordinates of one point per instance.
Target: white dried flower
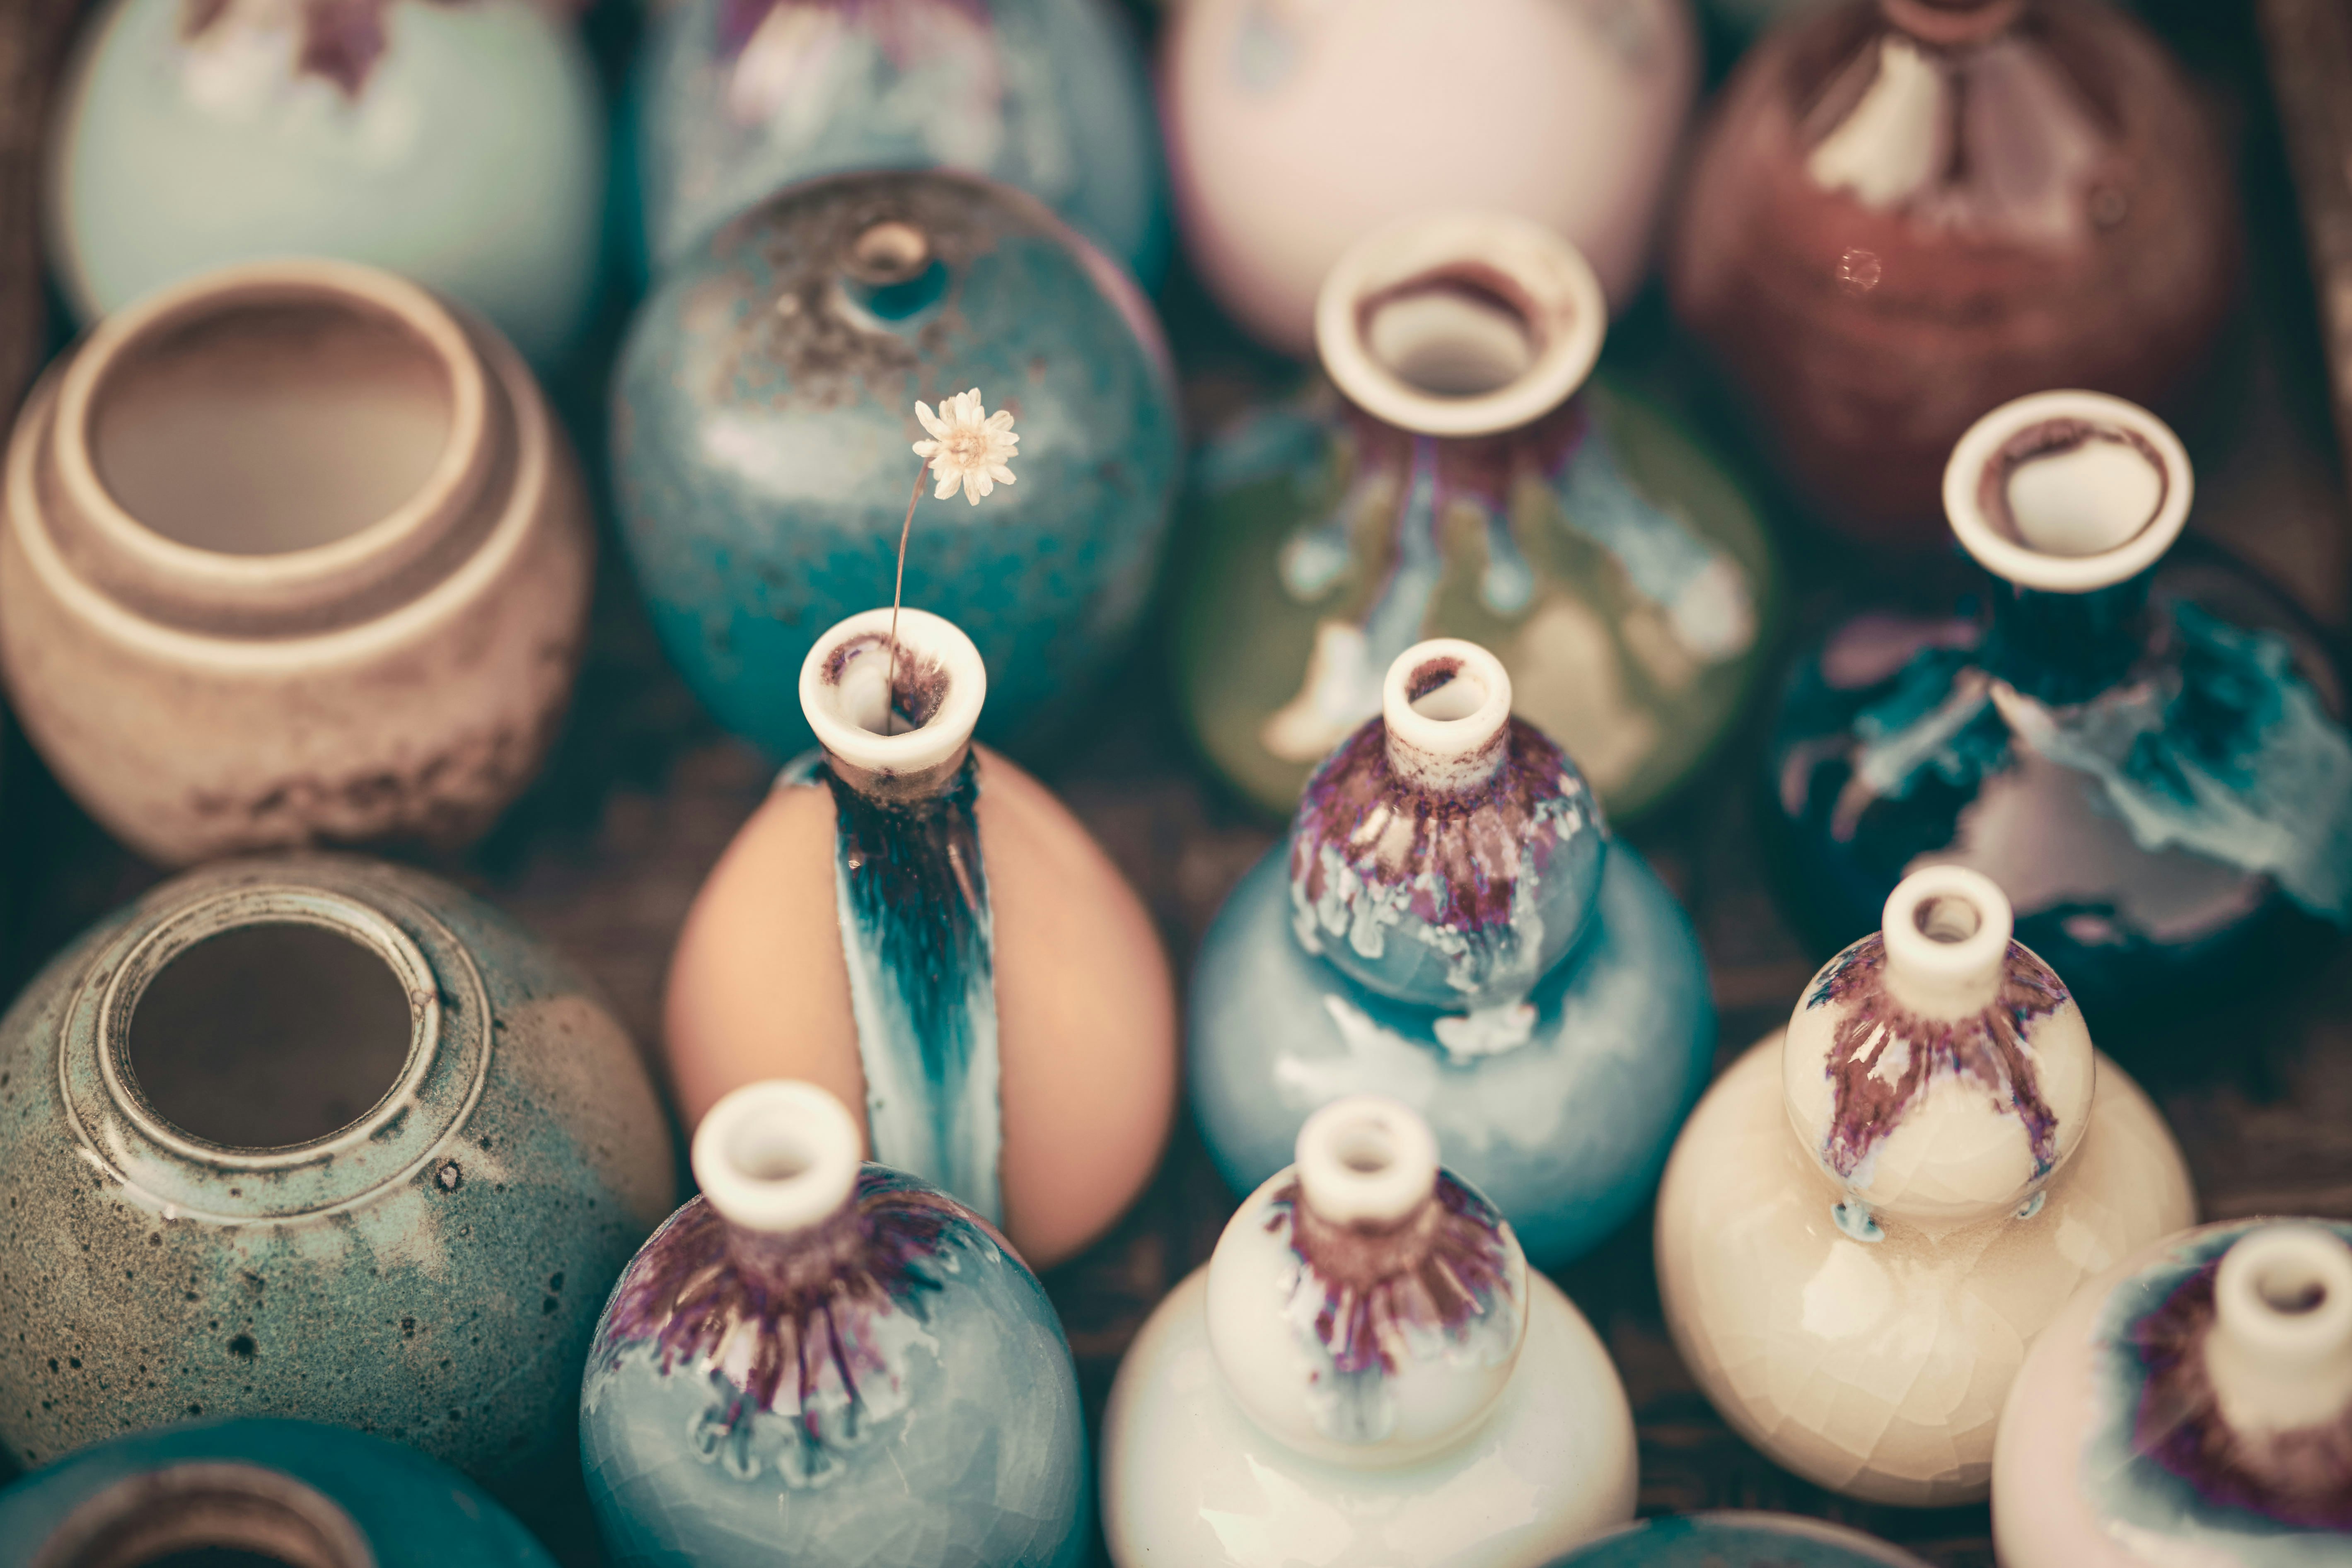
(970, 447)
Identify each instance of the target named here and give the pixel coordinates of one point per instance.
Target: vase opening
(269, 1035)
(899, 718)
(1450, 335)
(1946, 919)
(1366, 1159)
(1447, 705)
(2068, 492)
(1947, 931)
(891, 251)
(778, 1156)
(2279, 1355)
(218, 1515)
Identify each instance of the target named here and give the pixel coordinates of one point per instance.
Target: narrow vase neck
(2280, 1353)
(2065, 648)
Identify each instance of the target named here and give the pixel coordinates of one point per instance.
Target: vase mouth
(2287, 1289)
(1951, 24)
(1947, 925)
(778, 1157)
(1366, 1159)
(1447, 706)
(156, 1514)
(1465, 323)
(2068, 492)
(936, 692)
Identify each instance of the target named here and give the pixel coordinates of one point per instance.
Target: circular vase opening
(1450, 337)
(268, 1035)
(1948, 919)
(271, 425)
(207, 1516)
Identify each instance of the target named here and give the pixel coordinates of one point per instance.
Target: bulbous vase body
(461, 146)
(737, 102)
(1737, 1535)
(765, 406)
(1294, 130)
(259, 1490)
(1902, 213)
(292, 553)
(316, 1137)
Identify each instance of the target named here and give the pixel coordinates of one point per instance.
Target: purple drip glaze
(342, 39)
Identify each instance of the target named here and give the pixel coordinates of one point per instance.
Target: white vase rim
(778, 1157)
(942, 733)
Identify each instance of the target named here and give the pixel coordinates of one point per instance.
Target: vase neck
(2279, 1354)
(895, 719)
(1445, 712)
(778, 1161)
(1947, 935)
(2063, 649)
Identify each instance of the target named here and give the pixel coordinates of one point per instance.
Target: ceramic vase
(919, 926)
(764, 411)
(822, 1362)
(2146, 751)
(1295, 129)
(1870, 1217)
(1452, 924)
(316, 1137)
(291, 553)
(738, 101)
(228, 1493)
(1906, 212)
(1454, 472)
(1366, 1371)
(460, 144)
(1737, 1538)
(2194, 1404)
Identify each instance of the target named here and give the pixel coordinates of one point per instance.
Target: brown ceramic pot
(1905, 213)
(292, 553)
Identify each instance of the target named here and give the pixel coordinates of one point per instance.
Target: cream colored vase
(293, 553)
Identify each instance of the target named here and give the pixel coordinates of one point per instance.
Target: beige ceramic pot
(292, 553)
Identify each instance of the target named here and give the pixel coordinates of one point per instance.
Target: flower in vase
(970, 446)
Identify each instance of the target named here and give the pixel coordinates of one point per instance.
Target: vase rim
(1366, 1159)
(943, 660)
(191, 1504)
(778, 1157)
(1454, 746)
(1946, 924)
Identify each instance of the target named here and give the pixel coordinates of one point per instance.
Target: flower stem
(897, 592)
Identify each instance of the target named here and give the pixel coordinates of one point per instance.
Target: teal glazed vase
(829, 1364)
(2145, 748)
(461, 144)
(766, 406)
(316, 1137)
(1451, 924)
(220, 1494)
(738, 98)
(1737, 1537)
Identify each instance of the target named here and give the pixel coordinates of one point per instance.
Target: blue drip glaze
(1663, 556)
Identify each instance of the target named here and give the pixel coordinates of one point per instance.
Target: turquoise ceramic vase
(316, 1137)
(820, 1363)
(1452, 925)
(222, 1494)
(765, 411)
(461, 144)
(738, 98)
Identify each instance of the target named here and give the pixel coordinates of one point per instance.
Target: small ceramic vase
(319, 1137)
(291, 553)
(1904, 212)
(1366, 1371)
(1868, 1218)
(2147, 753)
(221, 1494)
(919, 926)
(817, 1362)
(738, 98)
(762, 420)
(2193, 1405)
(1735, 1538)
(460, 143)
(1294, 128)
(1452, 924)
(1457, 475)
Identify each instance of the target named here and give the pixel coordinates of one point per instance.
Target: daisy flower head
(969, 446)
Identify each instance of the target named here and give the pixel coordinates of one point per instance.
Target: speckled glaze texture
(2115, 1454)
(738, 98)
(762, 419)
(1735, 1538)
(400, 132)
(891, 1389)
(271, 1488)
(431, 1272)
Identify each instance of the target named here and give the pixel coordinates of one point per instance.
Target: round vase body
(766, 406)
(1293, 130)
(737, 102)
(292, 553)
(462, 145)
(1902, 214)
(906, 1399)
(258, 1491)
(1736, 1536)
(316, 1137)
(2115, 1451)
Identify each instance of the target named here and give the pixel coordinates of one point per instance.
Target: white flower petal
(1001, 420)
(946, 486)
(931, 422)
(925, 448)
(1000, 473)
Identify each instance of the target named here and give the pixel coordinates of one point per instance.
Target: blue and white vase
(738, 98)
(461, 144)
(1452, 924)
(765, 404)
(1366, 1371)
(821, 1362)
(2148, 755)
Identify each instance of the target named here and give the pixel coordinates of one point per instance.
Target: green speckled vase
(319, 1137)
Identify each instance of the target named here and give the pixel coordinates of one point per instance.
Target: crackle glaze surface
(461, 144)
(1607, 560)
(906, 1399)
(402, 1508)
(2113, 1453)
(737, 99)
(431, 1273)
(1735, 1538)
(762, 418)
